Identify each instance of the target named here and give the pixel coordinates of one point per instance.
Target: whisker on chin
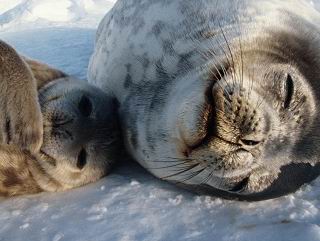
(207, 178)
(181, 172)
(192, 175)
(178, 158)
(183, 164)
(184, 170)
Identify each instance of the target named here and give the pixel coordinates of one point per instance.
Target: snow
(129, 204)
(31, 14)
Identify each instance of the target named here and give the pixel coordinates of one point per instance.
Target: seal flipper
(15, 175)
(20, 109)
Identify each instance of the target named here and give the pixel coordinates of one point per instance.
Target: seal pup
(216, 96)
(57, 132)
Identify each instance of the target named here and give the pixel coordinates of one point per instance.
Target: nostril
(82, 159)
(250, 142)
(85, 106)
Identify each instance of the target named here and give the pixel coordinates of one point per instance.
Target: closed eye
(289, 90)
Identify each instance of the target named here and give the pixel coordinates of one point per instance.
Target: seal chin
(81, 133)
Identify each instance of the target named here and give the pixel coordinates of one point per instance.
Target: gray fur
(216, 96)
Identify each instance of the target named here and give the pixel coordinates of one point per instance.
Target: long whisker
(207, 178)
(230, 63)
(183, 164)
(192, 175)
(241, 61)
(228, 46)
(181, 172)
(218, 68)
(176, 159)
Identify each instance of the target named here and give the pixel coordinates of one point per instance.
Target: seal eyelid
(289, 91)
(85, 106)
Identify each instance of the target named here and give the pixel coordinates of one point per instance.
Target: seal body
(78, 124)
(217, 96)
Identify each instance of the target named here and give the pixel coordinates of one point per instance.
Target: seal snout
(236, 134)
(238, 116)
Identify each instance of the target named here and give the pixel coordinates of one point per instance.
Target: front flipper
(20, 116)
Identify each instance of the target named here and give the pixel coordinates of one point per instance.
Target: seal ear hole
(289, 90)
(82, 159)
(85, 106)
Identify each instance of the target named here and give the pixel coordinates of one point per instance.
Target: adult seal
(219, 97)
(57, 132)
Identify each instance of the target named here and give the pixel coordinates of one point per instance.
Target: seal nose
(238, 117)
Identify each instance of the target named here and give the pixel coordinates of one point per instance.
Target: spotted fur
(195, 78)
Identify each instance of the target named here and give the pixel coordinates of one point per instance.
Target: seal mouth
(236, 160)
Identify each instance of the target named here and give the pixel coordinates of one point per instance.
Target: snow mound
(25, 14)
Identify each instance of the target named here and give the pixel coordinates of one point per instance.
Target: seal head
(81, 133)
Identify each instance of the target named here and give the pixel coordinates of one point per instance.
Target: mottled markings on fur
(11, 178)
(193, 49)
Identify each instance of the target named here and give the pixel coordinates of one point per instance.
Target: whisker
(241, 61)
(185, 159)
(218, 70)
(192, 175)
(207, 178)
(181, 172)
(164, 167)
(230, 63)
(228, 46)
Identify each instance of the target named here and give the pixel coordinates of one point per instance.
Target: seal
(219, 97)
(58, 132)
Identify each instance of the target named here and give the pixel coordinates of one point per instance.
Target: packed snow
(129, 204)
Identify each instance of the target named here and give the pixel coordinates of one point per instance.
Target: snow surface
(129, 204)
